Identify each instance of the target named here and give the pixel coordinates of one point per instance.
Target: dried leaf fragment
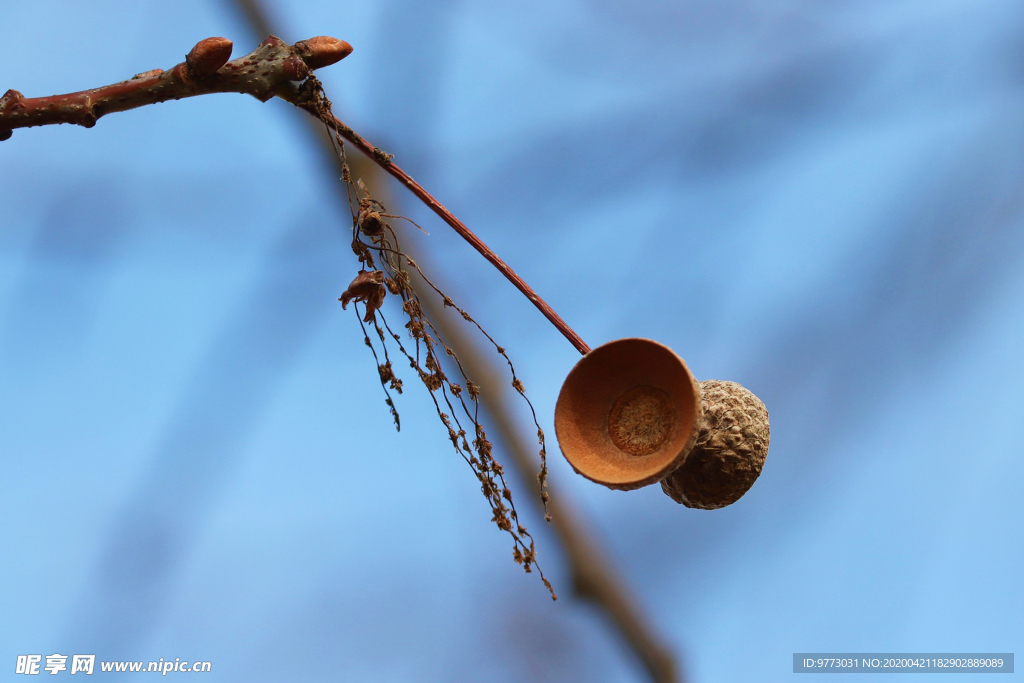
(367, 287)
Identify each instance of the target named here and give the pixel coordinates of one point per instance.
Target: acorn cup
(631, 414)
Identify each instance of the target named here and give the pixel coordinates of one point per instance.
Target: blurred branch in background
(593, 577)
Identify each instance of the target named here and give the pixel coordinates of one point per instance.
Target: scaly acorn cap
(730, 449)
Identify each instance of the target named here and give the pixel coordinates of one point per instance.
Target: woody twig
(272, 69)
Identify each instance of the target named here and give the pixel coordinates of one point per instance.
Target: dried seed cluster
(385, 269)
(730, 449)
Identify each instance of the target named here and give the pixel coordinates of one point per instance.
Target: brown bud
(11, 100)
(294, 68)
(207, 56)
(323, 51)
(730, 449)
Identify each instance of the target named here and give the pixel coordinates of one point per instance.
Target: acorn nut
(730, 449)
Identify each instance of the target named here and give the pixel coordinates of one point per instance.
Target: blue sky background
(822, 201)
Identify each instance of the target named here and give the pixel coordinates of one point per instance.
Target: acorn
(628, 413)
(729, 452)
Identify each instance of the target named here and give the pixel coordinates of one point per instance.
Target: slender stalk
(383, 160)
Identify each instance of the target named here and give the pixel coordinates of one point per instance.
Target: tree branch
(271, 69)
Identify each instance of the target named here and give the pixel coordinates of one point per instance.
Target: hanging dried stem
(385, 269)
(278, 69)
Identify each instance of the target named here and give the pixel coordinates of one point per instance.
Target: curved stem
(383, 160)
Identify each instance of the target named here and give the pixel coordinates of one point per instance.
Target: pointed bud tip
(208, 55)
(324, 51)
